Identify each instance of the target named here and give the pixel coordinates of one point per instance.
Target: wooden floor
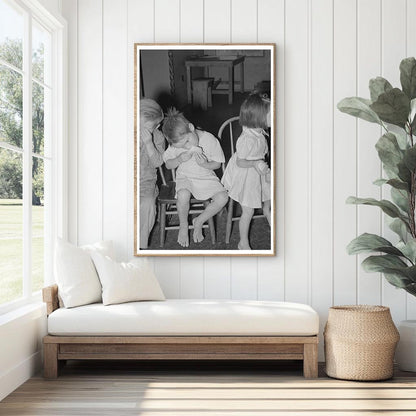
(225, 389)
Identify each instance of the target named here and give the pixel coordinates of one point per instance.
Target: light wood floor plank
(125, 390)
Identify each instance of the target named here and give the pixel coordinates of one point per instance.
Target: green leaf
(400, 198)
(378, 86)
(389, 151)
(397, 280)
(400, 228)
(366, 243)
(380, 182)
(359, 107)
(411, 289)
(411, 273)
(404, 173)
(388, 207)
(410, 158)
(395, 183)
(408, 249)
(396, 271)
(412, 115)
(398, 184)
(390, 173)
(392, 107)
(408, 77)
(401, 137)
(381, 263)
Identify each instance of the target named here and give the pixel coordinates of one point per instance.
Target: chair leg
(211, 225)
(212, 229)
(229, 221)
(162, 224)
(158, 213)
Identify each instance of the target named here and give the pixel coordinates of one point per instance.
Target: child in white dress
(195, 154)
(247, 175)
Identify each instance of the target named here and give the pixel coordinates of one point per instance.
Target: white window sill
(36, 308)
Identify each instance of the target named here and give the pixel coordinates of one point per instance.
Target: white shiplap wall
(326, 50)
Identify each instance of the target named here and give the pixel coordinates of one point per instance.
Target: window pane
(11, 34)
(38, 229)
(11, 106)
(41, 46)
(11, 226)
(38, 118)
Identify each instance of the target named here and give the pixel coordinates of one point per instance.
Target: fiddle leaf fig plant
(394, 109)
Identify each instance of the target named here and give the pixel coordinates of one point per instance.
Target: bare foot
(183, 237)
(244, 246)
(198, 235)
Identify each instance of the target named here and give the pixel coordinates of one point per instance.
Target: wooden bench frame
(58, 349)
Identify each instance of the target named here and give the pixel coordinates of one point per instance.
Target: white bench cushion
(187, 317)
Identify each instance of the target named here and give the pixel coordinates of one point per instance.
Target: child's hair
(253, 112)
(175, 125)
(150, 110)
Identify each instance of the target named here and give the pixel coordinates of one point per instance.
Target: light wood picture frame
(205, 151)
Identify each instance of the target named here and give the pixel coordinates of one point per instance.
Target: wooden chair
(166, 203)
(231, 130)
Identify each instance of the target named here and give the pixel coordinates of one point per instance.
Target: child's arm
(245, 163)
(154, 149)
(259, 164)
(176, 161)
(205, 163)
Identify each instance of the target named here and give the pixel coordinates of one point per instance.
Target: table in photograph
(210, 61)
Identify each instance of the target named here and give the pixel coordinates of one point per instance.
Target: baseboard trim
(10, 380)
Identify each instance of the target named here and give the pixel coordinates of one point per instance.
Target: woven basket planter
(360, 341)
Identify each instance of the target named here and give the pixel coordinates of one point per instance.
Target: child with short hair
(195, 154)
(247, 175)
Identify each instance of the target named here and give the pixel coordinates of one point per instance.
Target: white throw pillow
(104, 247)
(126, 282)
(75, 273)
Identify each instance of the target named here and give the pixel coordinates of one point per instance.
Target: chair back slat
(232, 138)
(232, 124)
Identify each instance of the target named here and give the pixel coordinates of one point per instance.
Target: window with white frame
(29, 139)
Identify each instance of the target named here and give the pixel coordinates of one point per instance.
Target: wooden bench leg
(310, 360)
(50, 360)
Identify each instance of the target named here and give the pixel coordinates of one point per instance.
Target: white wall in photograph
(326, 50)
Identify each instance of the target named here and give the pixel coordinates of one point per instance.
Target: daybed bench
(181, 329)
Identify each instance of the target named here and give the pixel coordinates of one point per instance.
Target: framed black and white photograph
(204, 127)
